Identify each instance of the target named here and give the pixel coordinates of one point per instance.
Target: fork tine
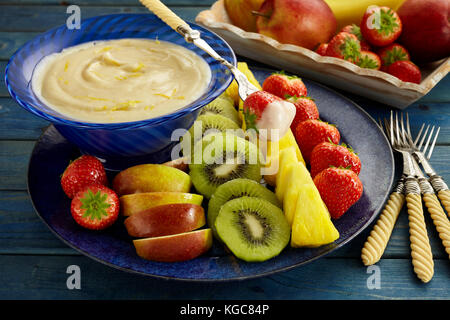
(418, 135)
(408, 131)
(423, 137)
(433, 143)
(402, 125)
(428, 140)
(391, 128)
(397, 128)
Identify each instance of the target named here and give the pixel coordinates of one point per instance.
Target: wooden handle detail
(379, 236)
(165, 14)
(440, 219)
(422, 258)
(444, 196)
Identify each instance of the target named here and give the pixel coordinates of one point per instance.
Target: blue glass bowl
(119, 145)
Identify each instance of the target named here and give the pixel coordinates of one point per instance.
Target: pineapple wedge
(312, 225)
(287, 158)
(273, 153)
(297, 177)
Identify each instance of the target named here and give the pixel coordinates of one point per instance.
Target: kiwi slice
(219, 158)
(253, 228)
(205, 124)
(222, 106)
(233, 189)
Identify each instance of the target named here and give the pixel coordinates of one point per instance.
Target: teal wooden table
(34, 263)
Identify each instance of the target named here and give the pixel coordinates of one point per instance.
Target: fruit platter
(340, 44)
(203, 221)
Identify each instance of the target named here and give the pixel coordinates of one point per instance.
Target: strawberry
(328, 154)
(380, 26)
(354, 29)
(95, 207)
(339, 189)
(82, 172)
(405, 71)
(310, 133)
(369, 60)
(306, 109)
(322, 49)
(345, 46)
(280, 84)
(263, 110)
(392, 53)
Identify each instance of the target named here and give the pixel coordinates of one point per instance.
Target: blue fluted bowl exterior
(120, 145)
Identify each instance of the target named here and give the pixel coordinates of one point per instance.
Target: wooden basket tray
(376, 85)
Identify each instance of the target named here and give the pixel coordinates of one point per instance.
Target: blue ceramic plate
(114, 247)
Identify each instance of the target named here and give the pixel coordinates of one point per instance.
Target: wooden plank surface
(41, 277)
(33, 261)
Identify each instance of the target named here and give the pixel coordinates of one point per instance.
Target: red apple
(165, 220)
(305, 23)
(133, 203)
(426, 29)
(173, 248)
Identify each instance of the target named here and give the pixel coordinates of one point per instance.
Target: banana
(351, 11)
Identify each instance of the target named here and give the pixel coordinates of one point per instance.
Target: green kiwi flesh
(222, 106)
(233, 189)
(206, 124)
(253, 229)
(222, 158)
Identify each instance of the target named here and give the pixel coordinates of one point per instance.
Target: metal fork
(430, 199)
(422, 258)
(419, 152)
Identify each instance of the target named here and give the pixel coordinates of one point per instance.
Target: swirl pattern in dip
(120, 80)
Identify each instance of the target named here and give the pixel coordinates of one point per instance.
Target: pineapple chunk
(312, 225)
(288, 157)
(273, 159)
(289, 141)
(297, 176)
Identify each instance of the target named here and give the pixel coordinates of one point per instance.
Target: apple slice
(180, 164)
(136, 202)
(165, 220)
(151, 178)
(174, 248)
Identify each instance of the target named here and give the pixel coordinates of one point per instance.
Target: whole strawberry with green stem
(380, 26)
(356, 30)
(281, 85)
(310, 133)
(327, 154)
(339, 188)
(369, 60)
(96, 207)
(392, 53)
(84, 171)
(345, 46)
(306, 109)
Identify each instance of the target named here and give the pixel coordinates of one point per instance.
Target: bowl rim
(120, 125)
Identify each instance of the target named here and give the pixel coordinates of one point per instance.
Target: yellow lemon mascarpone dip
(120, 80)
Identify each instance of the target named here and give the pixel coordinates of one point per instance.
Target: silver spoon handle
(193, 36)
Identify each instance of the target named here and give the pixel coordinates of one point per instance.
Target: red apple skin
(175, 248)
(426, 29)
(305, 23)
(165, 220)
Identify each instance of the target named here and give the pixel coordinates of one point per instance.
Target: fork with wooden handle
(429, 197)
(439, 185)
(378, 239)
(422, 258)
(245, 87)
